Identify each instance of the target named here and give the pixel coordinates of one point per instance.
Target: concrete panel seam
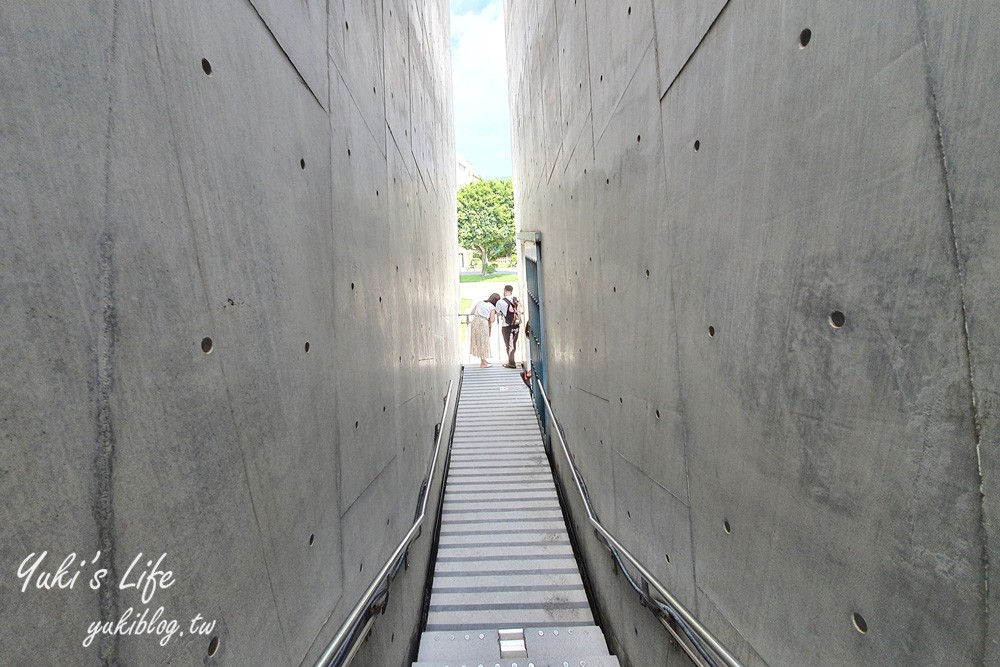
(735, 629)
(591, 393)
(586, 40)
(381, 147)
(368, 485)
(555, 163)
(222, 370)
(643, 473)
(399, 151)
(329, 60)
(180, 169)
(960, 271)
(277, 43)
(684, 428)
(256, 516)
(410, 399)
(631, 78)
(697, 46)
(104, 514)
(569, 158)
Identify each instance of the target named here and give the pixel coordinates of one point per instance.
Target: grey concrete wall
(295, 206)
(693, 167)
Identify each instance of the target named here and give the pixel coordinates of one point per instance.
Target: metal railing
(702, 641)
(345, 644)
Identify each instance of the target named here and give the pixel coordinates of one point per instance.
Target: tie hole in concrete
(206, 66)
(307, 347)
(804, 38)
(213, 646)
(302, 164)
(697, 145)
(206, 345)
(837, 319)
(312, 539)
(711, 332)
(860, 624)
(726, 527)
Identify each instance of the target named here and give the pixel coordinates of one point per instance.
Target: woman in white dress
(483, 313)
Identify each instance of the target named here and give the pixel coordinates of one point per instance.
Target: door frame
(530, 253)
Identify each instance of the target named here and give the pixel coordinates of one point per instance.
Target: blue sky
(479, 76)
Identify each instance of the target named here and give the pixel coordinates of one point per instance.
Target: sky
(479, 76)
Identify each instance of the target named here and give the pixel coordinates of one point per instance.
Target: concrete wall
(710, 190)
(296, 207)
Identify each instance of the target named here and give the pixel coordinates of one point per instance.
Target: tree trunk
(485, 258)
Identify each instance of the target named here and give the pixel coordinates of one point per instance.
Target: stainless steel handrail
(364, 605)
(703, 633)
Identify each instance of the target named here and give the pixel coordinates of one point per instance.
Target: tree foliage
(486, 218)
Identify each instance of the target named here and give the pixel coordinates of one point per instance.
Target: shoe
(509, 366)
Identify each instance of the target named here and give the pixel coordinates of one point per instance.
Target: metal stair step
(581, 661)
(543, 643)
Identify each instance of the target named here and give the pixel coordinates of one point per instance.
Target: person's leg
(512, 346)
(506, 340)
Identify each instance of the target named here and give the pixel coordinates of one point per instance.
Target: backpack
(513, 317)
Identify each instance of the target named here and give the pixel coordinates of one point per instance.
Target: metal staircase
(506, 590)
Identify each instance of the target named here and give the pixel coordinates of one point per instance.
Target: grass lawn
(495, 278)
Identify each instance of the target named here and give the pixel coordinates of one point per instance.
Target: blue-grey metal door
(534, 331)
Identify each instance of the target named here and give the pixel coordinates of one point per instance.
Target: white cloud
(479, 75)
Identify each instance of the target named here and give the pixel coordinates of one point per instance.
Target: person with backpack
(509, 309)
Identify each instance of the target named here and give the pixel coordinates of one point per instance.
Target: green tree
(486, 219)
